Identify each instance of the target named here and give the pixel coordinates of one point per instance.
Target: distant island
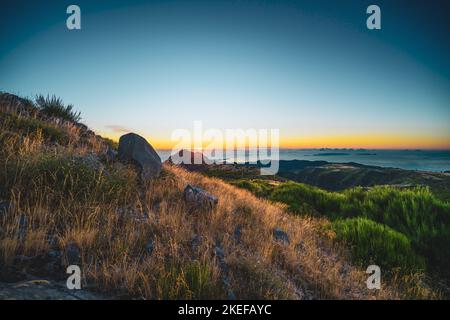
(326, 154)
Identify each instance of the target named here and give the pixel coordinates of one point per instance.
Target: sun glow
(366, 141)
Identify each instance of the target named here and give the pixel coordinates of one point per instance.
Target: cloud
(117, 128)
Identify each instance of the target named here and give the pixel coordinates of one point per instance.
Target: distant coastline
(418, 160)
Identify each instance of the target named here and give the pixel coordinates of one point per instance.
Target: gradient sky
(310, 68)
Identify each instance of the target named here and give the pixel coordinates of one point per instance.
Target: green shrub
(54, 107)
(297, 196)
(416, 213)
(375, 243)
(260, 188)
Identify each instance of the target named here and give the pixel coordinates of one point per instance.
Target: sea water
(423, 160)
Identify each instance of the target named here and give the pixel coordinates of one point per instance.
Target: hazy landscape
(67, 197)
(225, 150)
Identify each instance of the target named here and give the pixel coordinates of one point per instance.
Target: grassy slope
(61, 192)
(337, 177)
(403, 230)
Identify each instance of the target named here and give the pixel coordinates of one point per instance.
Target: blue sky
(310, 68)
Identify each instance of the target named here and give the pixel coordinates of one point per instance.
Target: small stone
(199, 198)
(54, 254)
(280, 235)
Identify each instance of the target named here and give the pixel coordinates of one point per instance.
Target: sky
(311, 69)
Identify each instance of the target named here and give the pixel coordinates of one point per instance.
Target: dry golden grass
(112, 219)
(112, 242)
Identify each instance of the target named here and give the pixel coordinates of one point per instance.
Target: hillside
(340, 176)
(394, 218)
(65, 199)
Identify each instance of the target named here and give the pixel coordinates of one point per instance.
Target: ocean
(423, 160)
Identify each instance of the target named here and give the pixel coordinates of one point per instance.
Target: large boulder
(191, 161)
(136, 149)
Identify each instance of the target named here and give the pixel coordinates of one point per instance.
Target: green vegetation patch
(375, 243)
(415, 218)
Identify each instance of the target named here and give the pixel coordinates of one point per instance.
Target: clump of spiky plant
(53, 106)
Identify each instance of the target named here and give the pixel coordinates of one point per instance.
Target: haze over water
(423, 160)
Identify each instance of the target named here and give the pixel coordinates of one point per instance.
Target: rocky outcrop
(191, 161)
(199, 199)
(11, 103)
(40, 289)
(134, 148)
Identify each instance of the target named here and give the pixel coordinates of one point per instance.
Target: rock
(136, 149)
(73, 254)
(54, 261)
(87, 134)
(11, 103)
(280, 235)
(42, 289)
(54, 254)
(191, 161)
(199, 198)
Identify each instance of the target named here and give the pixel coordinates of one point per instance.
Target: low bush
(375, 243)
(414, 213)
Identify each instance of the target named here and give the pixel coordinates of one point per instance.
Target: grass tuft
(53, 106)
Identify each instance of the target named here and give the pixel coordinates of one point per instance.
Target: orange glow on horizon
(365, 141)
(368, 141)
